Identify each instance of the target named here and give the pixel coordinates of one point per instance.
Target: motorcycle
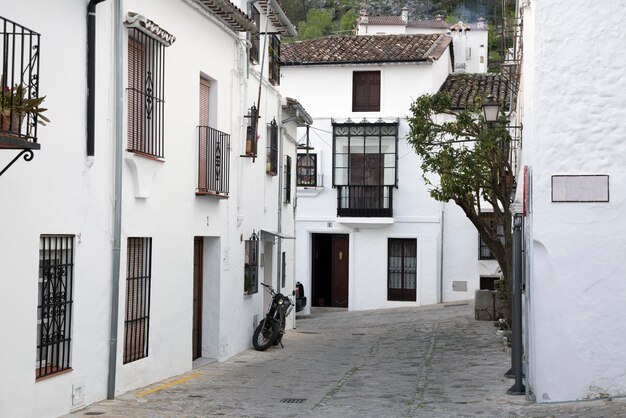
(300, 298)
(272, 328)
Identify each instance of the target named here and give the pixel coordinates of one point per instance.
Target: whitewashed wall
(416, 215)
(573, 124)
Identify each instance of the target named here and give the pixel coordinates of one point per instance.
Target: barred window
(55, 303)
(402, 270)
(484, 253)
(287, 179)
(146, 67)
(306, 170)
(272, 150)
(137, 310)
(274, 60)
(255, 16)
(251, 265)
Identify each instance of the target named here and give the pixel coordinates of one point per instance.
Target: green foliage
(348, 21)
(318, 23)
(466, 161)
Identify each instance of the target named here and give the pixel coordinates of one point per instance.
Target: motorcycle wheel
(264, 335)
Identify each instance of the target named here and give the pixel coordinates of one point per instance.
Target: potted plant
(15, 104)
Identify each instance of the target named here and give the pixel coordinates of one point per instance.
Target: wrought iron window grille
(255, 39)
(19, 82)
(402, 269)
(137, 311)
(287, 191)
(271, 166)
(54, 309)
(214, 162)
(146, 88)
(251, 265)
(484, 253)
(306, 170)
(274, 60)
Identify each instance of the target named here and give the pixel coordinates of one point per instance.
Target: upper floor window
(255, 16)
(366, 91)
(146, 64)
(306, 170)
(274, 60)
(54, 309)
(287, 179)
(364, 168)
(272, 150)
(484, 253)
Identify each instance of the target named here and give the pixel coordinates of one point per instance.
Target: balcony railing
(365, 201)
(19, 84)
(214, 162)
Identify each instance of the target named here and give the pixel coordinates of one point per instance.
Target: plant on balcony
(15, 104)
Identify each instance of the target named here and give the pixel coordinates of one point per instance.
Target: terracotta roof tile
(356, 49)
(385, 20)
(464, 89)
(429, 24)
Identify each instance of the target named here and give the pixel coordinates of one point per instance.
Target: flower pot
(11, 122)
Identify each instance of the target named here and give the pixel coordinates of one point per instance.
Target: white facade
(63, 192)
(470, 45)
(573, 125)
(327, 91)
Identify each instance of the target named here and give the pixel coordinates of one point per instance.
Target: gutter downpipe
(281, 169)
(91, 76)
(117, 215)
(441, 258)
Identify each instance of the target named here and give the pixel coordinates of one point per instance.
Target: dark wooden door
(339, 287)
(197, 298)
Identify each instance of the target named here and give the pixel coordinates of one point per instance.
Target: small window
(255, 16)
(137, 312)
(366, 91)
(287, 179)
(274, 60)
(146, 65)
(55, 304)
(306, 170)
(271, 166)
(484, 251)
(402, 270)
(251, 266)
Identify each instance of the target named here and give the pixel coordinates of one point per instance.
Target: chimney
(405, 14)
(439, 17)
(481, 23)
(364, 18)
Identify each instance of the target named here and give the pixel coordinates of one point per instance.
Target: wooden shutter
(203, 122)
(137, 312)
(136, 110)
(366, 91)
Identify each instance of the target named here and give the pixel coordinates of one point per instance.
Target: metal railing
(213, 162)
(19, 81)
(365, 201)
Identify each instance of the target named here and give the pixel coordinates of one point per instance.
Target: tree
(347, 23)
(467, 161)
(318, 23)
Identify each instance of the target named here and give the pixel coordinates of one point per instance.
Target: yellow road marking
(168, 384)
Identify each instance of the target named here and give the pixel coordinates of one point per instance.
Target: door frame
(197, 298)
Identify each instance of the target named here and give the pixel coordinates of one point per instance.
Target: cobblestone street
(432, 361)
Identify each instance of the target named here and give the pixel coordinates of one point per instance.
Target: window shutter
(203, 122)
(366, 91)
(136, 71)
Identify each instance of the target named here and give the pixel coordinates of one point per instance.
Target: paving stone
(427, 362)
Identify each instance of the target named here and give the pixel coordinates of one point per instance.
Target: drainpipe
(91, 75)
(441, 258)
(281, 169)
(117, 212)
(516, 321)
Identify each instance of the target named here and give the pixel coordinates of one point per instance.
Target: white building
(172, 107)
(368, 233)
(469, 40)
(573, 116)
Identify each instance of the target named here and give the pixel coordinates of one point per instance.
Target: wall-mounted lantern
(491, 110)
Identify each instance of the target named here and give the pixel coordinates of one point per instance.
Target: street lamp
(491, 110)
